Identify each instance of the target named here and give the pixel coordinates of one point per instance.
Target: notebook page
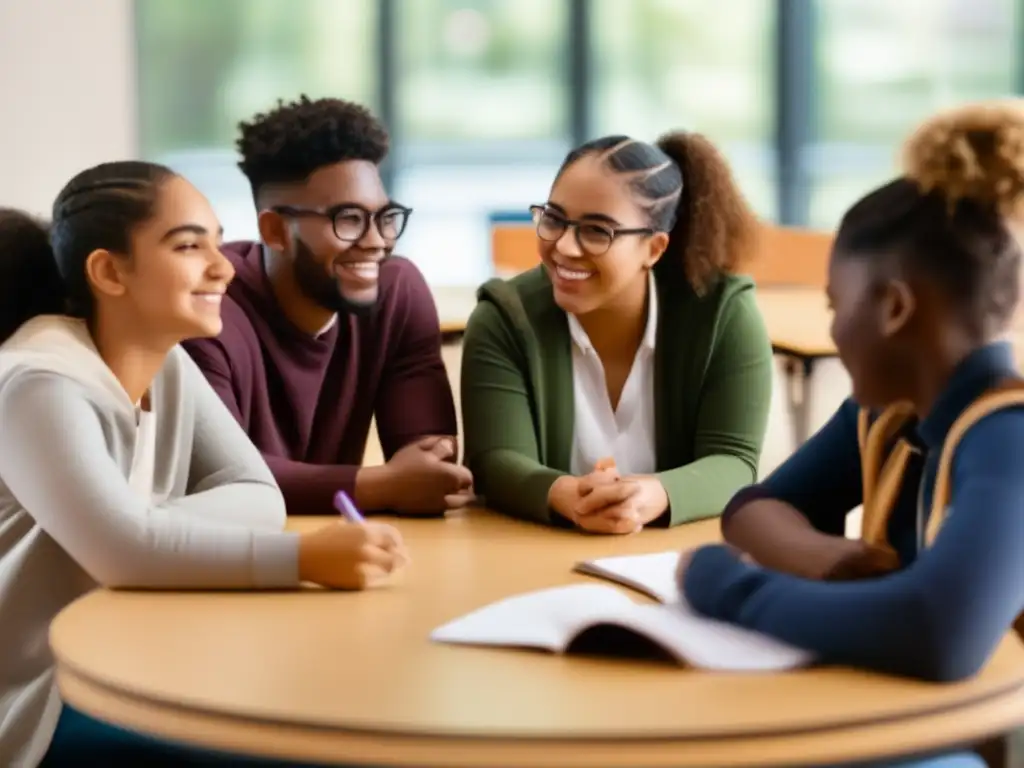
(714, 645)
(653, 574)
(546, 619)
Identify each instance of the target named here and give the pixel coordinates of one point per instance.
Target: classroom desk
(353, 678)
(797, 319)
(454, 305)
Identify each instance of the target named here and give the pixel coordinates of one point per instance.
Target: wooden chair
(798, 259)
(787, 256)
(513, 243)
(792, 257)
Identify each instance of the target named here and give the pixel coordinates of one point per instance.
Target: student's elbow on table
(956, 646)
(937, 648)
(127, 556)
(118, 570)
(954, 670)
(944, 660)
(271, 514)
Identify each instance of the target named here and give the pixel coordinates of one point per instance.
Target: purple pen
(348, 510)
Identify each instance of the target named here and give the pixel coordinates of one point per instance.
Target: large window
(204, 65)
(484, 97)
(882, 67)
(482, 70)
(698, 65)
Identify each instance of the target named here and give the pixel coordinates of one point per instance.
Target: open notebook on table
(654, 575)
(591, 618)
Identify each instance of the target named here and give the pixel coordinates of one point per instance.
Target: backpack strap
(1008, 395)
(881, 470)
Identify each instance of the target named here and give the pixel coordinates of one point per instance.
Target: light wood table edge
(786, 348)
(452, 331)
(971, 721)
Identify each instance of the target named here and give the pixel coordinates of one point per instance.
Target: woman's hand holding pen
(351, 554)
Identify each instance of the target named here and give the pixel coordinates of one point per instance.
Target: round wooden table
(352, 678)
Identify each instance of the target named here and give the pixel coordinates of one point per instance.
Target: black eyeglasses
(352, 222)
(591, 237)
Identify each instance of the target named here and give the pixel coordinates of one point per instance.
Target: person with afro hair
(326, 329)
(923, 282)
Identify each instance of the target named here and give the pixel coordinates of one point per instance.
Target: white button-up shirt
(626, 433)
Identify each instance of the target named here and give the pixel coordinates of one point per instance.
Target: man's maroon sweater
(307, 402)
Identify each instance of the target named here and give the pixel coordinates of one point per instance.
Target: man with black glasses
(324, 329)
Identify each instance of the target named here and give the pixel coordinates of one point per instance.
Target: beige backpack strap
(1005, 396)
(863, 422)
(881, 476)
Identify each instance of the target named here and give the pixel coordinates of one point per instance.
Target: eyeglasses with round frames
(352, 222)
(591, 237)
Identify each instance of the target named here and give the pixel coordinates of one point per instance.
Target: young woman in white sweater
(119, 466)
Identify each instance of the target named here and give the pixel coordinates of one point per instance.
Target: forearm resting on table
(372, 491)
(513, 484)
(701, 489)
(309, 489)
(777, 536)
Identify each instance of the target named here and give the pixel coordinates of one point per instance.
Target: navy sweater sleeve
(822, 479)
(940, 618)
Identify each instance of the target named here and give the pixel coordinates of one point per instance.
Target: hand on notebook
(350, 556)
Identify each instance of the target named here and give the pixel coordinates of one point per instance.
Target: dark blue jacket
(943, 613)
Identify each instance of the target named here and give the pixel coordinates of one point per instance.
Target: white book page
(710, 644)
(547, 619)
(653, 574)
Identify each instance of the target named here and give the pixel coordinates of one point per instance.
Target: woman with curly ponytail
(625, 382)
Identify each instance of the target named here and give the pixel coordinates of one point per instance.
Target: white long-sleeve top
(85, 502)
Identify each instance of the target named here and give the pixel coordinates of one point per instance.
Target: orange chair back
(513, 243)
(792, 257)
(787, 256)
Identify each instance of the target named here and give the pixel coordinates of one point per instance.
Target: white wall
(67, 94)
